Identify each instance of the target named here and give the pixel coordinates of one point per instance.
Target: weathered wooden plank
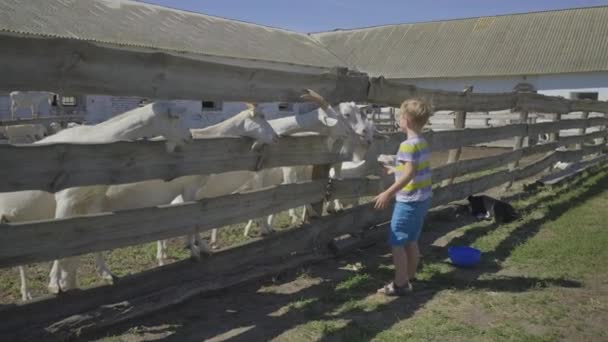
(536, 167)
(589, 106)
(464, 167)
(392, 92)
(519, 141)
(597, 121)
(542, 148)
(445, 140)
(58, 166)
(555, 126)
(454, 155)
(580, 139)
(28, 242)
(532, 102)
(591, 149)
(358, 187)
(81, 67)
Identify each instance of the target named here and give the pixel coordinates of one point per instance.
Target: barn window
(584, 95)
(208, 106)
(285, 107)
(69, 101)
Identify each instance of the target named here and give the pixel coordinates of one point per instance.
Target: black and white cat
(486, 207)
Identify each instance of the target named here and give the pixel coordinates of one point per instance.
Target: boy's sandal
(391, 289)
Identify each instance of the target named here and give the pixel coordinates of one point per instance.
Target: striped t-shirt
(415, 150)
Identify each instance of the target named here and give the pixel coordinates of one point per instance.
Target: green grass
(541, 280)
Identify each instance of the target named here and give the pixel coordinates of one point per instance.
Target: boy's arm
(384, 198)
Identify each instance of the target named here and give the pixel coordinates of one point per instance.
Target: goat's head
(256, 127)
(169, 124)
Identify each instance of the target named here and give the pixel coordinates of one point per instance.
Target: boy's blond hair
(418, 110)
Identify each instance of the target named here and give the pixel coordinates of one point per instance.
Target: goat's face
(169, 123)
(360, 129)
(256, 127)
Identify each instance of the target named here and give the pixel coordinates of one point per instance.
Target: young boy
(412, 189)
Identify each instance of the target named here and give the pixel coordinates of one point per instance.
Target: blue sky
(324, 15)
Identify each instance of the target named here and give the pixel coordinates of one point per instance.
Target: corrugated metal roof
(549, 42)
(134, 23)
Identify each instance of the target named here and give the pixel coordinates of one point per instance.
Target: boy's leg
(400, 259)
(413, 257)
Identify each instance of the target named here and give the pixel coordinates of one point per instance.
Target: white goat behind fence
(157, 119)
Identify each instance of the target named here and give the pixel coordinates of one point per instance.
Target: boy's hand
(382, 200)
(389, 169)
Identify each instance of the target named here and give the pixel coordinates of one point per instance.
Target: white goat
(248, 123)
(349, 125)
(26, 206)
(29, 99)
(156, 119)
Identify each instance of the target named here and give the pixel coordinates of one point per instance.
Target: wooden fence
(59, 166)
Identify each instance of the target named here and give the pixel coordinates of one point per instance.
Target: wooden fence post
(459, 123)
(582, 130)
(316, 209)
(519, 141)
(553, 137)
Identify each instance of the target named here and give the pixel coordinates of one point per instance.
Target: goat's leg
(294, 216)
(161, 252)
(54, 278)
(63, 275)
(203, 246)
(248, 228)
(102, 268)
(13, 111)
(270, 220)
(213, 239)
(198, 246)
(265, 226)
(25, 292)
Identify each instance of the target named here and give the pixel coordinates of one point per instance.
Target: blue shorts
(407, 220)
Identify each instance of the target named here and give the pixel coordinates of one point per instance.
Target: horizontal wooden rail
(55, 167)
(58, 166)
(78, 66)
(391, 92)
(454, 138)
(74, 236)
